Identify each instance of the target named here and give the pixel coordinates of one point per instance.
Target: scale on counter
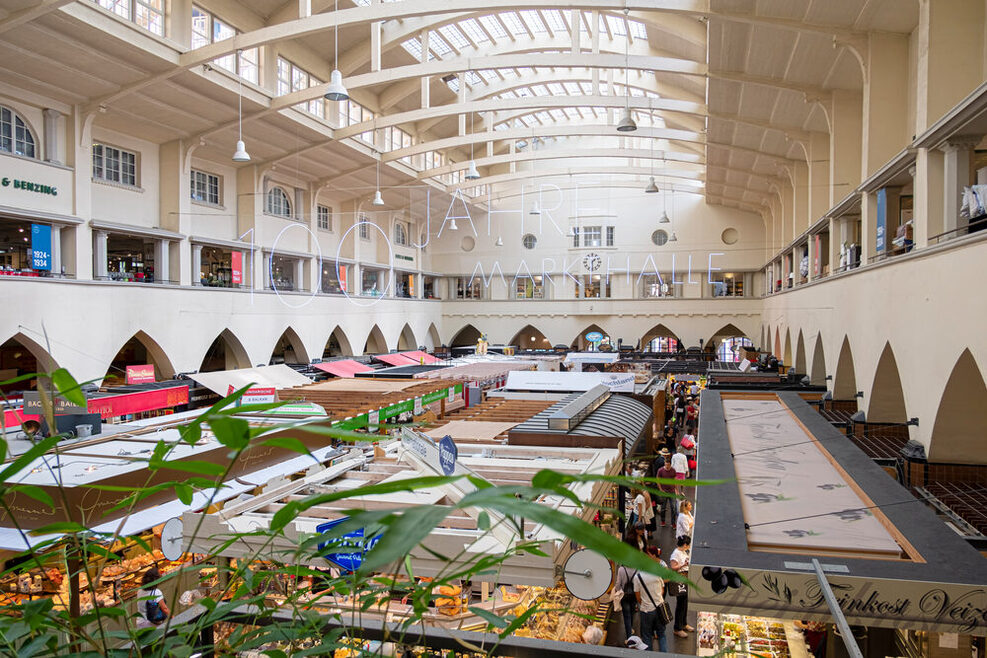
(172, 538)
(587, 574)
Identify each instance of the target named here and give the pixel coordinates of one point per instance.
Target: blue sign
(594, 336)
(881, 233)
(350, 561)
(448, 452)
(41, 247)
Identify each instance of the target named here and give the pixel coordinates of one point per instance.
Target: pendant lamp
(499, 242)
(535, 210)
(240, 155)
(652, 187)
(336, 91)
(452, 225)
(672, 237)
(378, 199)
(472, 173)
(664, 218)
(626, 124)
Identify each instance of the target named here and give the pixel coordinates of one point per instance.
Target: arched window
(277, 203)
(15, 136)
(400, 234)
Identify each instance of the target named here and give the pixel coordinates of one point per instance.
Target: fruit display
(560, 617)
(744, 636)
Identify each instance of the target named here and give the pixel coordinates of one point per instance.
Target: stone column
(162, 257)
(300, 274)
(957, 154)
(99, 254)
(51, 119)
(196, 274)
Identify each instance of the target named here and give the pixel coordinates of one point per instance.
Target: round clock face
(592, 262)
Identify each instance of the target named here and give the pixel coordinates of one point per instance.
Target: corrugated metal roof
(618, 416)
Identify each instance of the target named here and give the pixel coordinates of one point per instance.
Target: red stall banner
(135, 403)
(237, 267)
(140, 374)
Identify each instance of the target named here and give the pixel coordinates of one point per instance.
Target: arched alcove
(818, 374)
(800, 364)
(845, 380)
(530, 338)
(139, 350)
(581, 343)
(432, 339)
(466, 336)
(19, 355)
(659, 338)
(407, 340)
(225, 353)
(338, 344)
(727, 341)
(958, 434)
(787, 354)
(776, 348)
(887, 399)
(289, 349)
(375, 343)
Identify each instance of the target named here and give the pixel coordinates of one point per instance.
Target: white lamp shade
(535, 210)
(378, 199)
(472, 173)
(336, 91)
(673, 237)
(652, 187)
(664, 218)
(627, 123)
(452, 225)
(241, 154)
(499, 242)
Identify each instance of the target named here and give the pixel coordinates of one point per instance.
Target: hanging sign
(353, 546)
(259, 395)
(140, 374)
(594, 337)
(236, 268)
(41, 247)
(448, 453)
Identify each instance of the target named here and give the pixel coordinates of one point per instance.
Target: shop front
(334, 277)
(374, 281)
(405, 284)
(132, 253)
(29, 248)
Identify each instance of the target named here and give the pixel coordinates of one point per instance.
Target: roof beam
(16, 19)
(810, 92)
(642, 172)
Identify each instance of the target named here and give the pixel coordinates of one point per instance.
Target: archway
(958, 433)
(887, 400)
(727, 341)
(407, 340)
(465, 337)
(19, 355)
(289, 349)
(787, 355)
(659, 338)
(337, 344)
(762, 337)
(530, 338)
(800, 365)
(776, 349)
(845, 381)
(225, 353)
(432, 339)
(375, 342)
(818, 374)
(581, 343)
(139, 350)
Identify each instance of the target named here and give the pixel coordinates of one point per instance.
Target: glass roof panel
(617, 25)
(414, 47)
(539, 90)
(638, 29)
(533, 21)
(493, 27)
(473, 79)
(454, 36)
(513, 23)
(473, 30)
(572, 88)
(556, 22)
(438, 46)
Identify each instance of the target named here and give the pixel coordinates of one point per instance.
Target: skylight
(513, 23)
(533, 21)
(414, 47)
(454, 36)
(617, 26)
(438, 46)
(556, 23)
(638, 29)
(493, 26)
(473, 30)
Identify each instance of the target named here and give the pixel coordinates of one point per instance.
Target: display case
(745, 636)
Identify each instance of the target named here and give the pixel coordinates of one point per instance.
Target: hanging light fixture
(673, 238)
(499, 242)
(664, 214)
(471, 173)
(452, 225)
(626, 124)
(240, 155)
(652, 187)
(535, 210)
(378, 199)
(336, 91)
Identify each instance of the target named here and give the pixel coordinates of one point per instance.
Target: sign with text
(140, 374)
(236, 275)
(881, 235)
(60, 406)
(351, 547)
(594, 337)
(135, 403)
(568, 382)
(41, 247)
(260, 395)
(448, 453)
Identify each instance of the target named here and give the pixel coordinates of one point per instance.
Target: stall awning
(396, 359)
(278, 376)
(418, 356)
(344, 368)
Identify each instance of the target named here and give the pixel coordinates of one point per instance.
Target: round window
(659, 237)
(529, 241)
(730, 236)
(468, 243)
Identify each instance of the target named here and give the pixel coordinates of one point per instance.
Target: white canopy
(278, 376)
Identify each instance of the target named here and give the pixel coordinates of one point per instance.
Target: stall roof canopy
(396, 359)
(568, 382)
(482, 370)
(343, 368)
(796, 490)
(277, 376)
(422, 357)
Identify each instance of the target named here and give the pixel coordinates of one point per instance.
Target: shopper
(666, 501)
(626, 583)
(650, 593)
(151, 604)
(685, 521)
(680, 463)
(679, 561)
(691, 415)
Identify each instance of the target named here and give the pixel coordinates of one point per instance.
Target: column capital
(960, 143)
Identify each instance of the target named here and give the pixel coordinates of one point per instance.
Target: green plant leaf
(184, 493)
(489, 617)
(59, 527)
(196, 466)
(67, 387)
(35, 451)
(403, 534)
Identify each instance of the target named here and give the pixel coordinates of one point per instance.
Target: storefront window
(662, 344)
(374, 282)
(654, 286)
(466, 289)
(282, 274)
(726, 284)
(429, 288)
(333, 278)
(593, 285)
(529, 288)
(217, 268)
(404, 285)
(129, 259)
(15, 249)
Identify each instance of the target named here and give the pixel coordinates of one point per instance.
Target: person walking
(650, 593)
(680, 464)
(679, 561)
(626, 584)
(685, 521)
(666, 501)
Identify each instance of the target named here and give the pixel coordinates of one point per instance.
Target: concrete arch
(530, 338)
(817, 374)
(466, 336)
(337, 344)
(140, 349)
(958, 432)
(845, 379)
(887, 398)
(432, 339)
(226, 352)
(580, 342)
(289, 348)
(406, 339)
(776, 350)
(43, 361)
(800, 363)
(728, 330)
(787, 354)
(658, 331)
(375, 343)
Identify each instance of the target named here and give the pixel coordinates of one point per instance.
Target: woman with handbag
(624, 594)
(679, 561)
(655, 611)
